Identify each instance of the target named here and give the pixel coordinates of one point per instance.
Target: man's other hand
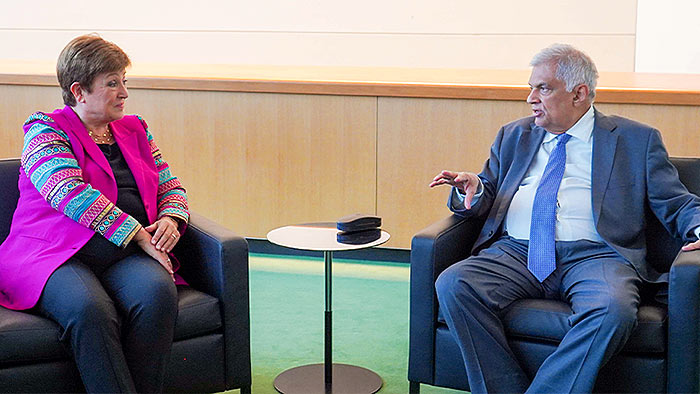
(466, 183)
(691, 246)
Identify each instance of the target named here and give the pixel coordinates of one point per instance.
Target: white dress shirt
(574, 201)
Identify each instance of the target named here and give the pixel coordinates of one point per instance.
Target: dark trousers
(117, 316)
(601, 287)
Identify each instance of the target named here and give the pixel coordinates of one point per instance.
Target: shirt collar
(582, 130)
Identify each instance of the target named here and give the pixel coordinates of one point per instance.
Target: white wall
(668, 36)
(394, 33)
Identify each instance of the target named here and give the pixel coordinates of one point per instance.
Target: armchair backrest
(662, 248)
(9, 194)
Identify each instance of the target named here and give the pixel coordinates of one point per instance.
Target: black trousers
(117, 310)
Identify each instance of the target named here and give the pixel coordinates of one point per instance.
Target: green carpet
(370, 318)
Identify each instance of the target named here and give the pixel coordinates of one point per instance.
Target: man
(563, 194)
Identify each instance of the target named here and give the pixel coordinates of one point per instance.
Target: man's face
(552, 105)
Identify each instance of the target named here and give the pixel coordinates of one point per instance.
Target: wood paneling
(251, 162)
(254, 162)
(613, 87)
(420, 137)
(16, 104)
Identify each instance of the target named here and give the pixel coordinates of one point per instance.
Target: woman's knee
(166, 291)
(158, 296)
(142, 279)
(93, 312)
(73, 295)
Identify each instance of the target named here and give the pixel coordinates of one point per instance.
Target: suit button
(490, 233)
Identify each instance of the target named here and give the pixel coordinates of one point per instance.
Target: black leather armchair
(211, 350)
(662, 355)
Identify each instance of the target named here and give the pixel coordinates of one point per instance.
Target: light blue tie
(541, 259)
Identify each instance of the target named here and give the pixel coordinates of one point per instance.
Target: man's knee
(622, 314)
(614, 313)
(453, 284)
(445, 283)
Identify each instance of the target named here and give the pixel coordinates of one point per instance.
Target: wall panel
(667, 34)
(251, 162)
(613, 53)
(16, 104)
(254, 162)
(420, 137)
(392, 33)
(360, 16)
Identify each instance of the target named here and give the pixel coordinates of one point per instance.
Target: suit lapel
(129, 145)
(137, 154)
(525, 152)
(604, 145)
(127, 142)
(75, 127)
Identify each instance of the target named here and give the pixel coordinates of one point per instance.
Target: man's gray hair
(573, 66)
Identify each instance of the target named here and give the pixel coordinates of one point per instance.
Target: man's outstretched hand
(466, 182)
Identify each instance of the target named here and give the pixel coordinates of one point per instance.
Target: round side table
(327, 377)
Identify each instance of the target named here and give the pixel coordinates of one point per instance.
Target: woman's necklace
(104, 138)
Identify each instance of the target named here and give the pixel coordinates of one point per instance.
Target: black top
(98, 253)
(128, 196)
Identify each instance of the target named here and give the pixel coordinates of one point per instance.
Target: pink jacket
(43, 237)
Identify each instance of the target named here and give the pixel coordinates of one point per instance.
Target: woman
(97, 216)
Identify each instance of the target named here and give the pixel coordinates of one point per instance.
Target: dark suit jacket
(631, 174)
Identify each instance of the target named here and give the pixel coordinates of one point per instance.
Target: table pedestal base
(309, 379)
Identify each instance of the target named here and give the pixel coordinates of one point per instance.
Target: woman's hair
(83, 59)
(573, 66)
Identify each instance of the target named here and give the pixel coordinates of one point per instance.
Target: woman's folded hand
(164, 233)
(144, 240)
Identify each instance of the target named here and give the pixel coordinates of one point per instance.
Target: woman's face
(106, 102)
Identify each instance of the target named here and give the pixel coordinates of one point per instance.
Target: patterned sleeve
(48, 161)
(172, 198)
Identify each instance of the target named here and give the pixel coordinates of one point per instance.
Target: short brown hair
(83, 59)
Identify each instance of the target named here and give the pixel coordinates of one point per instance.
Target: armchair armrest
(432, 250)
(684, 323)
(214, 260)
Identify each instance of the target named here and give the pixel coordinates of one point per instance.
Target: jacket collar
(77, 129)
